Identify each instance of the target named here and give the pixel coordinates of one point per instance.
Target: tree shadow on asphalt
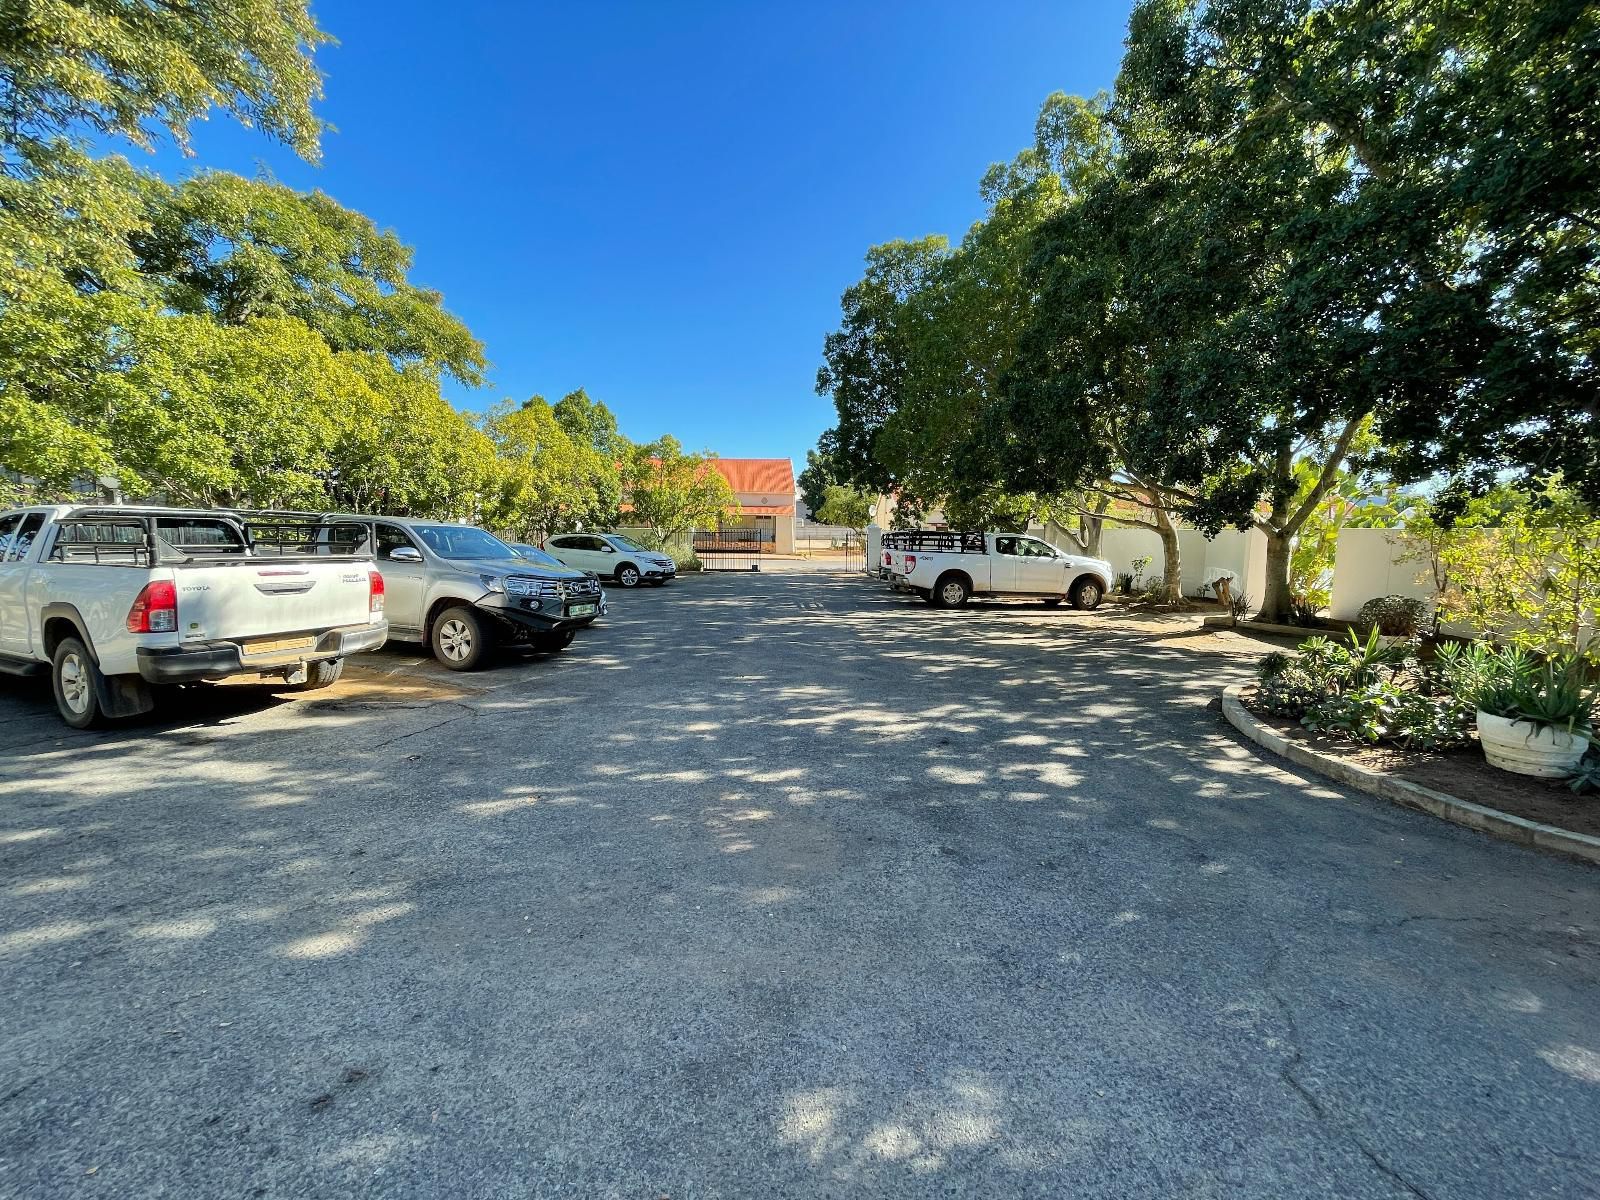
(857, 882)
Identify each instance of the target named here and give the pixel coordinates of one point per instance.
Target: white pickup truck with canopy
(114, 601)
(948, 567)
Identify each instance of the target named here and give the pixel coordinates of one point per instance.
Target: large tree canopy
(121, 67)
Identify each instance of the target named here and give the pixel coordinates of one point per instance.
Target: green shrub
(1364, 690)
(1272, 664)
(1395, 616)
(1125, 582)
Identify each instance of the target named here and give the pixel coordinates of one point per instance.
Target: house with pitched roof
(766, 492)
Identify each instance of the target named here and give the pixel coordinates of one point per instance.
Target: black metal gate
(732, 549)
(852, 555)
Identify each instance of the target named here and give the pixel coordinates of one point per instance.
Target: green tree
(822, 469)
(238, 248)
(544, 477)
(590, 423)
(119, 67)
(1525, 568)
(672, 493)
(844, 505)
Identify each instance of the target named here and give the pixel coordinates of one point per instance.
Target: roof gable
(757, 476)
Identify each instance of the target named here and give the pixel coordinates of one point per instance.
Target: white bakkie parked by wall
(113, 600)
(949, 568)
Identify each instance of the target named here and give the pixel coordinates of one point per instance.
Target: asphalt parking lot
(773, 885)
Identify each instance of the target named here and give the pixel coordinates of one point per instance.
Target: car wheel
(628, 575)
(951, 592)
(1087, 594)
(320, 675)
(76, 679)
(460, 639)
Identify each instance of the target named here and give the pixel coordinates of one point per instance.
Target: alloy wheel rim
(952, 593)
(629, 577)
(74, 684)
(455, 639)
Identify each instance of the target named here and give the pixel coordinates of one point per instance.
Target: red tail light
(911, 563)
(886, 559)
(155, 610)
(375, 592)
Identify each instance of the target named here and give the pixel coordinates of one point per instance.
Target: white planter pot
(1520, 747)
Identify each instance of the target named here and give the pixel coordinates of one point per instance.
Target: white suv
(612, 556)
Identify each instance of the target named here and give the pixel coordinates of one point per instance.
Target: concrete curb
(1412, 795)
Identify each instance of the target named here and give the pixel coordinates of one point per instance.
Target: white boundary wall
(1369, 563)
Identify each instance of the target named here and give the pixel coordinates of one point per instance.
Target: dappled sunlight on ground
(788, 873)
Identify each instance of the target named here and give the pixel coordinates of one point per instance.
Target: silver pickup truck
(461, 591)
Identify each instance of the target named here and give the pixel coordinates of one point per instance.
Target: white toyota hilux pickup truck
(948, 568)
(114, 601)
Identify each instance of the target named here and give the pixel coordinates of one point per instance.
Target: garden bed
(1460, 772)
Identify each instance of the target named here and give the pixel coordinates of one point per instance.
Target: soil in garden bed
(1461, 773)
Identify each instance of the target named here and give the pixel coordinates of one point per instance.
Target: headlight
(491, 583)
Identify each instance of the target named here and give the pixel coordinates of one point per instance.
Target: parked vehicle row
(116, 602)
(948, 568)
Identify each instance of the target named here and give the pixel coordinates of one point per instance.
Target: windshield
(626, 543)
(462, 541)
(534, 554)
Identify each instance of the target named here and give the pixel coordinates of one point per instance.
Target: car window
(534, 554)
(22, 539)
(8, 527)
(1034, 549)
(390, 537)
(625, 543)
(563, 543)
(200, 535)
(1006, 545)
(462, 541)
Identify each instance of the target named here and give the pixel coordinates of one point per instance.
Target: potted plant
(1535, 720)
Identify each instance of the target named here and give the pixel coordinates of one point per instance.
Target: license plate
(276, 645)
(581, 610)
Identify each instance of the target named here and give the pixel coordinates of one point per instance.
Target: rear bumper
(218, 660)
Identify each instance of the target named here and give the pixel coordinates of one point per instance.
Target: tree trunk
(1171, 556)
(1276, 595)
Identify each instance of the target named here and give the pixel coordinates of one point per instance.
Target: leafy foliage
(1393, 616)
(845, 506)
(1366, 691)
(1531, 577)
(672, 493)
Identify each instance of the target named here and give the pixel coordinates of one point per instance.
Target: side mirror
(406, 554)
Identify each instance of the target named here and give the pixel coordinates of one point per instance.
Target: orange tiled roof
(758, 476)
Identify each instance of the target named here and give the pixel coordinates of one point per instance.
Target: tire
(459, 639)
(321, 674)
(553, 643)
(951, 591)
(1087, 594)
(76, 681)
(628, 575)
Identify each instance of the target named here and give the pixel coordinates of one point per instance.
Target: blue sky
(662, 201)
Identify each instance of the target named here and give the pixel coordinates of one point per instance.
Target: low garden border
(1411, 795)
